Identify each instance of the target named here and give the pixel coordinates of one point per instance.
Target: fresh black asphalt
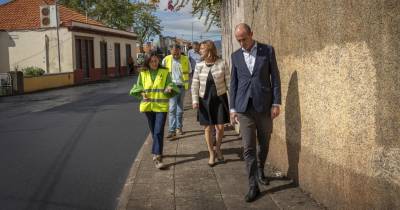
(69, 148)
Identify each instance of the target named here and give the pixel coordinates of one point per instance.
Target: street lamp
(192, 27)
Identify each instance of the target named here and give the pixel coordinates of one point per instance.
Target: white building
(29, 37)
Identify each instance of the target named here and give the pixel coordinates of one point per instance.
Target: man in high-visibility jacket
(179, 66)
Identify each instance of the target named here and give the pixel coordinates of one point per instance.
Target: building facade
(86, 47)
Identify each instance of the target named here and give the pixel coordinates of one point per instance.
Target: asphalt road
(69, 148)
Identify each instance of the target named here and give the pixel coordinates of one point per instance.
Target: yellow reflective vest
(185, 64)
(154, 90)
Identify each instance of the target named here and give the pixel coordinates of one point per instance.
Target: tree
(145, 24)
(82, 6)
(210, 9)
(113, 13)
(121, 14)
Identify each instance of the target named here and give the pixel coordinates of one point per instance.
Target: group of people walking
(253, 86)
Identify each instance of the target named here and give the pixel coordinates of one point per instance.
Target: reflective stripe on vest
(184, 61)
(153, 90)
(157, 100)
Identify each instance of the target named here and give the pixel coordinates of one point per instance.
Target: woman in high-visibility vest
(154, 87)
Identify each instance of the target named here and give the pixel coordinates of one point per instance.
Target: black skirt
(213, 109)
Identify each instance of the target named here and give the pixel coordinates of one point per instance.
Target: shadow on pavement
(204, 154)
(194, 131)
(231, 140)
(280, 188)
(185, 136)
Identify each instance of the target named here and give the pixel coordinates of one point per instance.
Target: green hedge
(33, 71)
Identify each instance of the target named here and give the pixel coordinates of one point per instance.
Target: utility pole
(192, 31)
(58, 37)
(86, 12)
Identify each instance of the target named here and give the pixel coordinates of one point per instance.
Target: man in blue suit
(255, 100)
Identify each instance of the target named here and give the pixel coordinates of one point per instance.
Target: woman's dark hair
(147, 61)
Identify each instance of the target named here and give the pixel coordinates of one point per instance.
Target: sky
(179, 24)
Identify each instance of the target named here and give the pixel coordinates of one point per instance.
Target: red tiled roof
(67, 15)
(25, 14)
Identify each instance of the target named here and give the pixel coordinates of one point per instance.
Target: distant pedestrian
(254, 100)
(154, 87)
(131, 66)
(211, 80)
(179, 67)
(194, 56)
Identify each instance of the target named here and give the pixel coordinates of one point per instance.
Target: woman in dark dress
(211, 79)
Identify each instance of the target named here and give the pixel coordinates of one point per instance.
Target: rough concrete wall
(232, 15)
(338, 133)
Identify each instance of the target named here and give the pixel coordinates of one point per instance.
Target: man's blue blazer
(263, 86)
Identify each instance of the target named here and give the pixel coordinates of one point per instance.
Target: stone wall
(338, 133)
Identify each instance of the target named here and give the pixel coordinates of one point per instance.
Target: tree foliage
(121, 14)
(145, 24)
(78, 5)
(210, 9)
(115, 13)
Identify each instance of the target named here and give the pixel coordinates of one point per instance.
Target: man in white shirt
(179, 67)
(194, 55)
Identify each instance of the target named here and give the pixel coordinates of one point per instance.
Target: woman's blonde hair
(211, 50)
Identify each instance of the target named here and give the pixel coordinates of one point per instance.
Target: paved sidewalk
(189, 183)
